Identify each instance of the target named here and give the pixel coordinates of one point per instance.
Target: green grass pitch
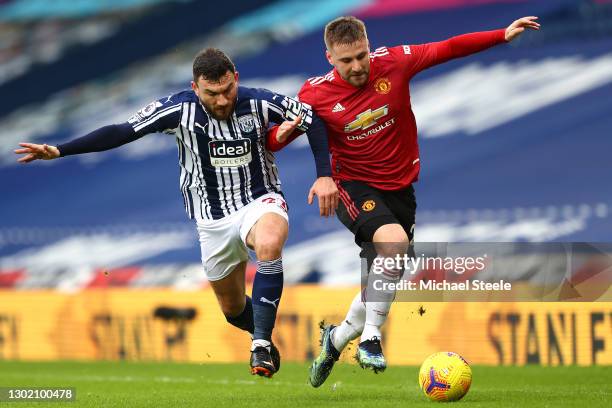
(128, 384)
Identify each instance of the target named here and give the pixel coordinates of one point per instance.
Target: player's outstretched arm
(423, 56)
(32, 151)
(104, 138)
(159, 116)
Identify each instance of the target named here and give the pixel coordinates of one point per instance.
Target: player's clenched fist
(37, 152)
(286, 128)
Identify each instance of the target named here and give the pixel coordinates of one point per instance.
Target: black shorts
(363, 209)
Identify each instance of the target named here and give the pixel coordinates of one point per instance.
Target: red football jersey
(372, 130)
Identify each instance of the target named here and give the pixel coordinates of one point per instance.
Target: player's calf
(267, 236)
(244, 319)
(267, 292)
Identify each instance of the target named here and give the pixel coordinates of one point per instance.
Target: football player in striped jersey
(229, 182)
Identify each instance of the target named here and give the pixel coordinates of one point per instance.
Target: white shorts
(223, 242)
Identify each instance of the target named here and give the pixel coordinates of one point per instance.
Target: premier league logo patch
(145, 112)
(246, 123)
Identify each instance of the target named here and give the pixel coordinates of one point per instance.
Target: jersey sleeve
(279, 108)
(160, 116)
(416, 58)
(305, 95)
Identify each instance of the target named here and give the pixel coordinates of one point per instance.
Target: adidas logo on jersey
(338, 108)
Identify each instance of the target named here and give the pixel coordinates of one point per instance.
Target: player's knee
(269, 247)
(391, 233)
(391, 240)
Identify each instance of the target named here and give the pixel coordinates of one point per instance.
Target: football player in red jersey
(365, 103)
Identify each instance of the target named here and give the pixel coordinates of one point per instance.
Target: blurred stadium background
(98, 260)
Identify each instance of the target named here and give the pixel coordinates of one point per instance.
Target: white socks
(366, 318)
(260, 343)
(378, 301)
(351, 326)
(376, 315)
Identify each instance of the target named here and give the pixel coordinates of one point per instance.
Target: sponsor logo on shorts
(368, 205)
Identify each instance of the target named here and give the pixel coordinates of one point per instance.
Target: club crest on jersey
(366, 119)
(382, 86)
(246, 123)
(230, 153)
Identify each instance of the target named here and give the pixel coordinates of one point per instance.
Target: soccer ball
(445, 376)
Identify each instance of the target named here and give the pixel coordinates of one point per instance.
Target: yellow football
(445, 376)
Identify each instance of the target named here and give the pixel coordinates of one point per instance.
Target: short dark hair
(212, 64)
(344, 30)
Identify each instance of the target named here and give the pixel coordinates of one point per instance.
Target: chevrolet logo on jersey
(366, 119)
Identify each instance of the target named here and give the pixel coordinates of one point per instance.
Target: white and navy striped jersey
(224, 165)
